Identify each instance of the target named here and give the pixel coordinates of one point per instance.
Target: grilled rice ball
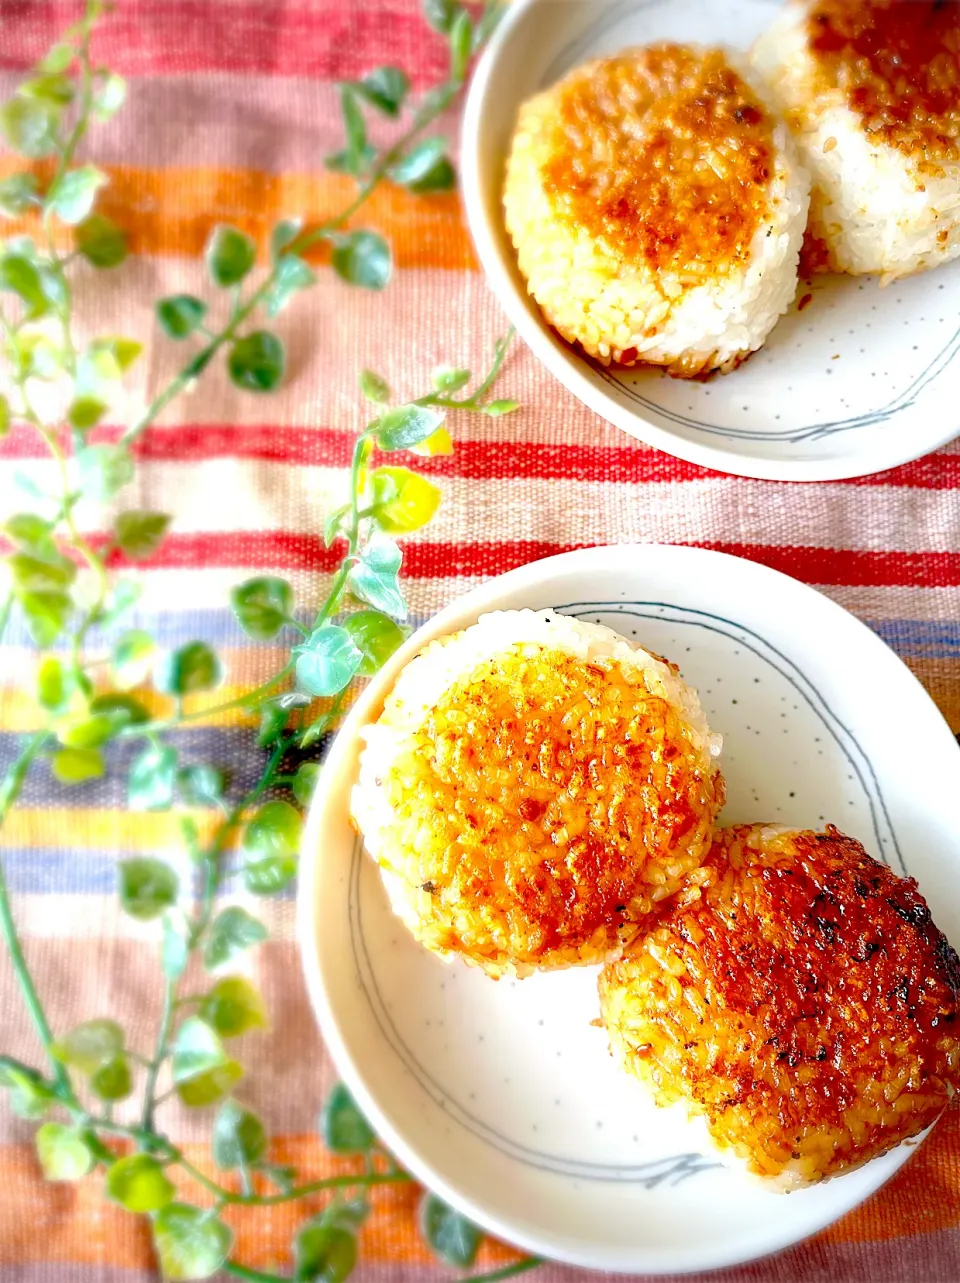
(798, 998)
(871, 90)
(657, 209)
(533, 786)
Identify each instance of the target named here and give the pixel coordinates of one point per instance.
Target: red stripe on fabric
(285, 550)
(326, 40)
(479, 460)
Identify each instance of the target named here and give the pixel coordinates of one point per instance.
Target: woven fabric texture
(233, 104)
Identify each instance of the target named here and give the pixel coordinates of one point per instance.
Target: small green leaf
(283, 235)
(327, 661)
(119, 709)
(273, 723)
(201, 784)
(191, 1242)
(461, 45)
(86, 731)
(140, 534)
(342, 1126)
(257, 362)
(147, 887)
(175, 948)
(18, 193)
(57, 60)
(373, 387)
(104, 470)
(420, 164)
(197, 1050)
(362, 258)
(53, 685)
(385, 88)
(152, 778)
(33, 573)
(305, 782)
(334, 523)
(73, 197)
(262, 606)
(447, 379)
(50, 87)
(293, 275)
(375, 578)
(109, 98)
(210, 1085)
(77, 765)
(233, 1007)
(453, 1238)
(90, 1045)
(402, 501)
(180, 315)
(355, 127)
(188, 669)
(100, 241)
(376, 636)
(230, 256)
(324, 1253)
(407, 426)
(139, 1184)
(275, 829)
(132, 660)
(31, 532)
(4, 416)
(18, 275)
(122, 351)
(112, 1081)
(30, 1097)
(239, 1138)
(64, 1154)
(30, 126)
(270, 844)
(441, 14)
(496, 408)
(341, 162)
(270, 875)
(233, 932)
(85, 412)
(46, 614)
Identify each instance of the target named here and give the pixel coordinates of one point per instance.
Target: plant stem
(159, 1056)
(12, 785)
(141, 729)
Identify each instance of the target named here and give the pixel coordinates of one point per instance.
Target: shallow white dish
(860, 380)
(501, 1096)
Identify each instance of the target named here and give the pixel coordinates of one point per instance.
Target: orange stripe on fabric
(77, 1221)
(171, 211)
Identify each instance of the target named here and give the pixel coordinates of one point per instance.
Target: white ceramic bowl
(861, 380)
(501, 1096)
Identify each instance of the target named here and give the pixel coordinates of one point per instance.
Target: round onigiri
(797, 998)
(871, 91)
(534, 785)
(657, 209)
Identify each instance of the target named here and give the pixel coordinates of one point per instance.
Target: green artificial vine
(92, 667)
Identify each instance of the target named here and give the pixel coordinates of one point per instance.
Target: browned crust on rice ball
(897, 63)
(626, 146)
(799, 997)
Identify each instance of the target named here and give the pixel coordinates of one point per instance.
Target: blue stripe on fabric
(919, 638)
(231, 749)
(911, 638)
(61, 871)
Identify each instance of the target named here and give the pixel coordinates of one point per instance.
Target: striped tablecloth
(232, 106)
